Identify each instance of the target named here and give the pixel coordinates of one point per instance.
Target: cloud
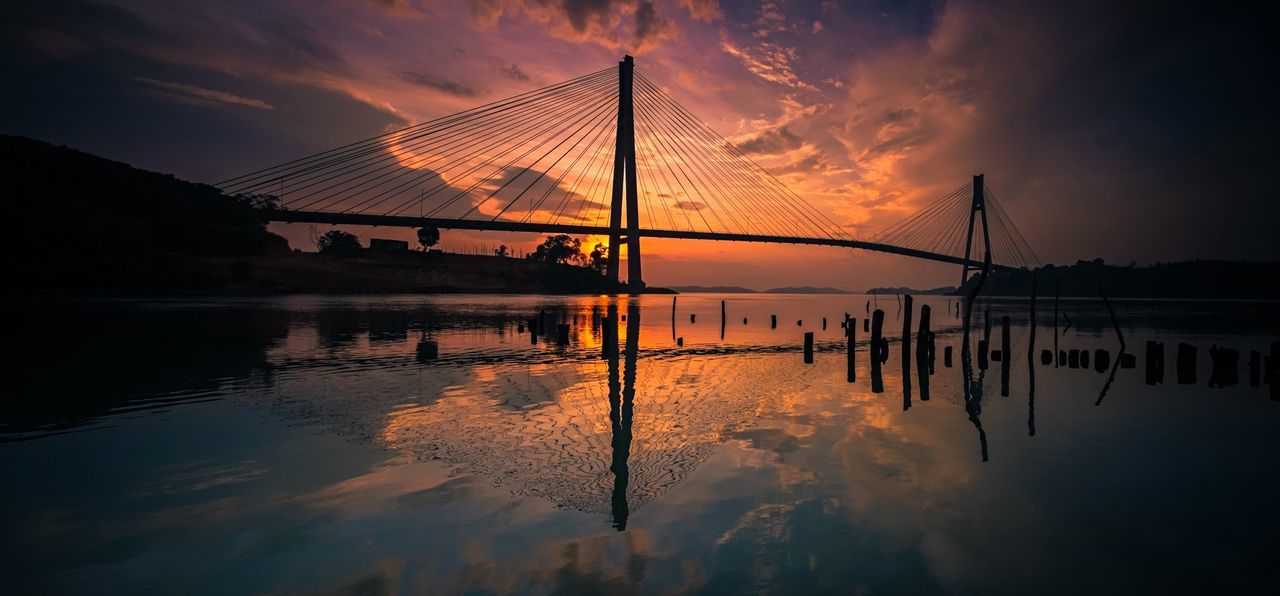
(510, 70)
(771, 142)
(769, 61)
(455, 88)
(632, 25)
(202, 96)
(703, 10)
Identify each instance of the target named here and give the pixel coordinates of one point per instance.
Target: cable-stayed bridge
(611, 154)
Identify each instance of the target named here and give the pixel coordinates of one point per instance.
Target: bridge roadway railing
(403, 221)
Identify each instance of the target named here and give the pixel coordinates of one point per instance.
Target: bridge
(608, 153)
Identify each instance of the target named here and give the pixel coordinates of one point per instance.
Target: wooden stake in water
(851, 334)
(1005, 356)
(877, 328)
(906, 329)
(808, 347)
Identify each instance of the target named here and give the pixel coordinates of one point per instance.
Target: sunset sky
(1128, 133)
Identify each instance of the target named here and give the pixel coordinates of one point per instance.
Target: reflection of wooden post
(808, 347)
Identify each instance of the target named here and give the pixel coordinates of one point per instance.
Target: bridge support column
(624, 170)
(979, 204)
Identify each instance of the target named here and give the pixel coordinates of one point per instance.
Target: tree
(501, 251)
(338, 242)
(428, 237)
(598, 260)
(558, 249)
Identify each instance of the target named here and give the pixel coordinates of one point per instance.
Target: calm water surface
(428, 445)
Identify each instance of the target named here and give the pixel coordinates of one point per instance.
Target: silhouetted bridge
(596, 155)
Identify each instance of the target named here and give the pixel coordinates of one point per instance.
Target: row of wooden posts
(1225, 361)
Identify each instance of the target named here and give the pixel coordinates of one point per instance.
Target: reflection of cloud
(201, 96)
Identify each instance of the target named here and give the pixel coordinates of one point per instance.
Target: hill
(1189, 279)
(82, 224)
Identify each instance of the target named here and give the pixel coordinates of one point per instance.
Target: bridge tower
(624, 164)
(979, 205)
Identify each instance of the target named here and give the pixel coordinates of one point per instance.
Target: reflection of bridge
(543, 162)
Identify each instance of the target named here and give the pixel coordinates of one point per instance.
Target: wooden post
(1101, 360)
(773, 321)
(808, 347)
(851, 334)
(1073, 358)
(680, 341)
(906, 330)
(1155, 362)
(986, 326)
(946, 356)
(1006, 356)
(1255, 368)
(1046, 357)
(693, 318)
(723, 318)
(922, 337)
(923, 341)
(564, 334)
(1186, 364)
(824, 323)
(1273, 371)
(1084, 358)
(673, 317)
(982, 354)
(877, 329)
(1226, 367)
(1057, 292)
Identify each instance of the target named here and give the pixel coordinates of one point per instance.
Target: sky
(1127, 131)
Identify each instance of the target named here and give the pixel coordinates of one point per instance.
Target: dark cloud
(456, 88)
(771, 142)
(510, 70)
(648, 22)
(298, 41)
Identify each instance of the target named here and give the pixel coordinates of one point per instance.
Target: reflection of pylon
(624, 164)
(979, 204)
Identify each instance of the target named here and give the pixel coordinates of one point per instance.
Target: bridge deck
(402, 221)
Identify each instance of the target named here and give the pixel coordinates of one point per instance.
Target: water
(412, 444)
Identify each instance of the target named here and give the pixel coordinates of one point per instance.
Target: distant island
(806, 290)
(713, 290)
(942, 291)
(84, 225)
(742, 290)
(1188, 279)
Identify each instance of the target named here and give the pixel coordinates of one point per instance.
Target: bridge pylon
(979, 205)
(624, 170)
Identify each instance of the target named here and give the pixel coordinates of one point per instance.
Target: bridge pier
(624, 168)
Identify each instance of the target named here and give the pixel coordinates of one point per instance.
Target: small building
(386, 245)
